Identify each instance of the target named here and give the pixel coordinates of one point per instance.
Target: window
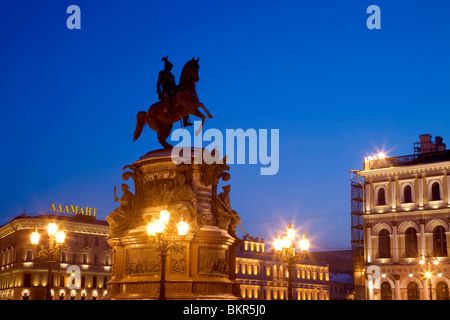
(63, 257)
(384, 244)
(411, 243)
(86, 241)
(27, 280)
(386, 291)
(96, 241)
(413, 291)
(29, 255)
(439, 242)
(407, 194)
(442, 291)
(381, 197)
(435, 191)
(107, 258)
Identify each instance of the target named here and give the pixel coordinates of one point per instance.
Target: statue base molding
(198, 271)
(200, 265)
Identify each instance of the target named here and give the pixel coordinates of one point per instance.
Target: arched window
(386, 291)
(384, 244)
(435, 191)
(411, 243)
(413, 291)
(407, 194)
(381, 197)
(439, 242)
(442, 291)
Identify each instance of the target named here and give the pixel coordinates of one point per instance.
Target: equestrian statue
(176, 103)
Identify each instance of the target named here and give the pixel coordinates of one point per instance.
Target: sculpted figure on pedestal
(121, 218)
(227, 218)
(183, 203)
(166, 88)
(176, 103)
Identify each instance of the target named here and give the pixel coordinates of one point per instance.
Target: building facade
(263, 277)
(406, 224)
(24, 276)
(340, 285)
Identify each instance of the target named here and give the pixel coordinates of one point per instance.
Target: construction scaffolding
(357, 234)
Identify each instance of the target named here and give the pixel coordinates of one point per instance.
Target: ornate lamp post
(51, 253)
(426, 261)
(285, 249)
(157, 230)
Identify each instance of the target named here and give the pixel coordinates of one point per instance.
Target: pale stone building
(406, 223)
(24, 276)
(263, 277)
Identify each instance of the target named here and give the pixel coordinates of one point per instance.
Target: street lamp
(157, 231)
(50, 253)
(285, 249)
(428, 273)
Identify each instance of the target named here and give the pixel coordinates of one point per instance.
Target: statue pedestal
(201, 265)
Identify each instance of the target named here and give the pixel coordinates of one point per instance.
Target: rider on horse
(167, 89)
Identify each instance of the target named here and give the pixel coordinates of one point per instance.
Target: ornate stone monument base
(202, 264)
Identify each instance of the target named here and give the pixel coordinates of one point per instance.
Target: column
(420, 195)
(389, 197)
(368, 189)
(423, 242)
(398, 197)
(447, 234)
(448, 188)
(395, 242)
(394, 194)
(368, 243)
(445, 187)
(424, 190)
(416, 191)
(426, 292)
(397, 287)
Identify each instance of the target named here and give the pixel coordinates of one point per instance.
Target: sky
(336, 90)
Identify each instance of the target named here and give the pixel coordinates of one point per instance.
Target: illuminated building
(263, 277)
(24, 276)
(402, 229)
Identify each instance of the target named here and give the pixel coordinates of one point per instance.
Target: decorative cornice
(40, 223)
(438, 167)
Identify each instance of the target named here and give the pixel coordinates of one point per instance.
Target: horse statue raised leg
(185, 103)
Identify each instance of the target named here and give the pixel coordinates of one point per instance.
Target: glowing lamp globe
(182, 228)
(52, 228)
(277, 244)
(159, 226)
(290, 232)
(286, 242)
(60, 237)
(34, 236)
(304, 243)
(164, 216)
(151, 230)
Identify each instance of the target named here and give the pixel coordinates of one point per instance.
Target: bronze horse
(185, 102)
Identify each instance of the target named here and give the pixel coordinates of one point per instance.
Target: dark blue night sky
(336, 91)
